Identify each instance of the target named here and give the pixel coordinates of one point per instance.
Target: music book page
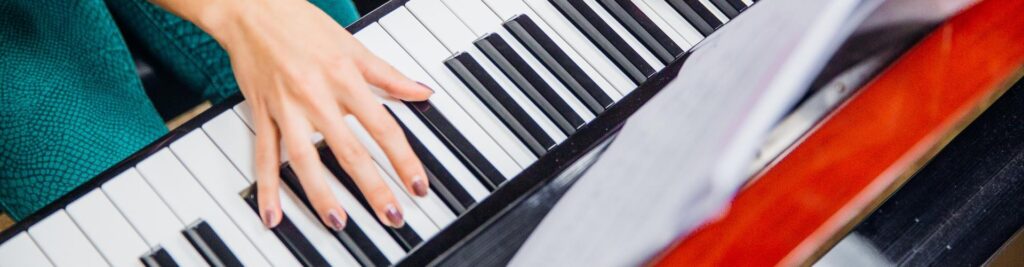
(682, 156)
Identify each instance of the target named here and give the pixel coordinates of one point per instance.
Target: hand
(301, 73)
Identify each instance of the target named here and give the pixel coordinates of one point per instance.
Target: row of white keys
(191, 203)
(151, 217)
(388, 50)
(646, 54)
(453, 99)
(21, 250)
(548, 15)
(482, 15)
(63, 243)
(432, 206)
(223, 182)
(457, 38)
(110, 233)
(507, 9)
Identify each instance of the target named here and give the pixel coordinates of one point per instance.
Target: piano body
(527, 92)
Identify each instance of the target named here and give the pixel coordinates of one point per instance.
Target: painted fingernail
(394, 216)
(268, 218)
(336, 221)
(419, 186)
(425, 86)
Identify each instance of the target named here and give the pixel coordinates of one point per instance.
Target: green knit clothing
(71, 104)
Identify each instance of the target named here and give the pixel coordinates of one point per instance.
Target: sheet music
(683, 155)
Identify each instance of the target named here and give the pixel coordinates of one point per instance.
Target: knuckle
(389, 132)
(302, 155)
(352, 153)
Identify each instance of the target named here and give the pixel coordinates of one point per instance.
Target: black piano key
(158, 258)
(520, 72)
(352, 237)
(703, 12)
(458, 144)
(498, 101)
(209, 245)
(738, 5)
(405, 236)
(290, 236)
(441, 181)
(643, 29)
(726, 8)
(602, 35)
(559, 63)
(695, 19)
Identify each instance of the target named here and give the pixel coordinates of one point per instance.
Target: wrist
(221, 19)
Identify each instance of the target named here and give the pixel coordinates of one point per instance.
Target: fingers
(267, 160)
(383, 75)
(305, 161)
(356, 161)
(392, 140)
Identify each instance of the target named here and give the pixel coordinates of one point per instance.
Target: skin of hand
(302, 73)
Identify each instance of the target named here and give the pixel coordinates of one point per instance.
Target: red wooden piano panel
(855, 154)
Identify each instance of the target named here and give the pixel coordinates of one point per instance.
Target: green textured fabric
(71, 104)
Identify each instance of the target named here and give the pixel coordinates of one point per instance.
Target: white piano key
(191, 203)
(109, 232)
(415, 216)
(150, 216)
(484, 14)
(245, 113)
(438, 216)
(748, 2)
(676, 21)
(430, 55)
(366, 220)
(646, 54)
(309, 225)
(714, 11)
(508, 9)
(63, 243)
(488, 18)
(217, 175)
(20, 250)
(676, 37)
(230, 134)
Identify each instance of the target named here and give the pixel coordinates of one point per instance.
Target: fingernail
(425, 86)
(419, 186)
(394, 216)
(336, 221)
(268, 218)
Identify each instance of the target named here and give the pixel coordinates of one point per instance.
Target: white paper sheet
(683, 155)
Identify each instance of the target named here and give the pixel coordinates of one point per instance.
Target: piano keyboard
(514, 81)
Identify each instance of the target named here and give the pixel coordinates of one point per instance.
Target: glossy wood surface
(861, 150)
